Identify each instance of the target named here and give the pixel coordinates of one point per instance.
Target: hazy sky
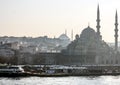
(51, 17)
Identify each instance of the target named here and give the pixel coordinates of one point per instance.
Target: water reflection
(91, 80)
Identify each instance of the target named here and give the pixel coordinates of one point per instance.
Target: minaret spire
(116, 32)
(65, 32)
(88, 24)
(98, 21)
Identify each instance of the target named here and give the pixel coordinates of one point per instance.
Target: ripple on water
(91, 80)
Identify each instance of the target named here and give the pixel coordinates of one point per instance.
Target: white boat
(11, 69)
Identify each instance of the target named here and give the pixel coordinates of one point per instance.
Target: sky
(34, 18)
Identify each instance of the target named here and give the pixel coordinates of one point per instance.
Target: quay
(60, 70)
(73, 70)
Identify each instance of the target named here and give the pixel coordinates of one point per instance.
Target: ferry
(11, 69)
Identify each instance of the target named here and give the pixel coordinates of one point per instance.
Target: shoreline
(53, 75)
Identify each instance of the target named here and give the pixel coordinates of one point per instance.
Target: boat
(12, 71)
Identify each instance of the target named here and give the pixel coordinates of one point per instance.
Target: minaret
(116, 32)
(98, 22)
(72, 35)
(65, 32)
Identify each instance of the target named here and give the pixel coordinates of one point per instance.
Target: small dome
(77, 36)
(64, 37)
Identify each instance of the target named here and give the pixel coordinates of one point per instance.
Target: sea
(71, 80)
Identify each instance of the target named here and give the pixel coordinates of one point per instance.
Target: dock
(63, 70)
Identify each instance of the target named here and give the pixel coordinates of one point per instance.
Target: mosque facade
(88, 48)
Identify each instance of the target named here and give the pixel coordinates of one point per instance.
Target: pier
(60, 70)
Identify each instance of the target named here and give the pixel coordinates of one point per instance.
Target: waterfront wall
(60, 59)
(55, 59)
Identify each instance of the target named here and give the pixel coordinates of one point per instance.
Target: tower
(65, 32)
(72, 35)
(98, 22)
(116, 32)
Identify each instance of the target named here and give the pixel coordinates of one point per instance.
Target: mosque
(88, 48)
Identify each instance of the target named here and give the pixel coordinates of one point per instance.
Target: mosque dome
(64, 37)
(88, 33)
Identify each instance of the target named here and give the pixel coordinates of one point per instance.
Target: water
(100, 80)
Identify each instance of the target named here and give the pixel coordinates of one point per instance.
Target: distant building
(7, 50)
(65, 39)
(28, 49)
(43, 44)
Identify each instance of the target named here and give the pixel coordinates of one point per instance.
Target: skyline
(36, 18)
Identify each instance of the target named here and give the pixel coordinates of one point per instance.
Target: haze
(51, 17)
